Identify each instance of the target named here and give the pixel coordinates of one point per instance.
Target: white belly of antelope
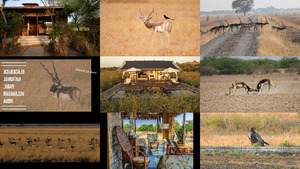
(159, 29)
(62, 96)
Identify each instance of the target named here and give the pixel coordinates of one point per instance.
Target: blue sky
(210, 5)
(19, 3)
(188, 116)
(116, 61)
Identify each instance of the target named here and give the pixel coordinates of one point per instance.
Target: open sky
(188, 116)
(211, 5)
(19, 3)
(111, 61)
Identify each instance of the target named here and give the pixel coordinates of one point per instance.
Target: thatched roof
(148, 116)
(154, 65)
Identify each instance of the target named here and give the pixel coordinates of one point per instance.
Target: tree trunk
(2, 12)
(77, 27)
(183, 135)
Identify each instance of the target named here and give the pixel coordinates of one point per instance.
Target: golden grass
(36, 84)
(41, 153)
(122, 32)
(232, 129)
(275, 43)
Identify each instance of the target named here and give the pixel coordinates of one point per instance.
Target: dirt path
(232, 44)
(34, 51)
(261, 161)
(213, 90)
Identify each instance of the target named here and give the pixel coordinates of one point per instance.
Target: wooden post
(37, 23)
(183, 135)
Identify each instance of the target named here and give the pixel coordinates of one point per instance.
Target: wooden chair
(181, 151)
(138, 162)
(171, 147)
(153, 141)
(142, 146)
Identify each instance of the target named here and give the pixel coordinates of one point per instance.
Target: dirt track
(261, 161)
(213, 90)
(232, 44)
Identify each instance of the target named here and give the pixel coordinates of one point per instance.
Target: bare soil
(232, 43)
(214, 90)
(248, 161)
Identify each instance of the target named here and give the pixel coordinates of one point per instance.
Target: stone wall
(114, 119)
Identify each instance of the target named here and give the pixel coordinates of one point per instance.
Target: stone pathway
(34, 51)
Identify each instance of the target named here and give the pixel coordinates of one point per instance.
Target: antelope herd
(248, 88)
(62, 145)
(241, 27)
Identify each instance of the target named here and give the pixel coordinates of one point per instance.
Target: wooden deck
(147, 85)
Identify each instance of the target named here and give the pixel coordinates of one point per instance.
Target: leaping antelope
(61, 92)
(263, 82)
(158, 26)
(238, 85)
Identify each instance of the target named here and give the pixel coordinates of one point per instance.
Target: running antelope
(261, 24)
(157, 26)
(61, 92)
(263, 82)
(278, 28)
(238, 85)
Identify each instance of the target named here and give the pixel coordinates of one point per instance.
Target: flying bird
(168, 18)
(255, 137)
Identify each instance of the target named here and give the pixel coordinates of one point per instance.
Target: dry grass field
(232, 129)
(123, 33)
(214, 21)
(36, 85)
(280, 43)
(38, 151)
(213, 90)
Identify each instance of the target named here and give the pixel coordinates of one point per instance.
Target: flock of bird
(36, 142)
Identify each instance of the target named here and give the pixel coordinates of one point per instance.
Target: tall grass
(154, 102)
(239, 122)
(123, 33)
(276, 43)
(40, 152)
(109, 78)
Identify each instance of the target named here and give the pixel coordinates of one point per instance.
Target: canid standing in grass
(255, 137)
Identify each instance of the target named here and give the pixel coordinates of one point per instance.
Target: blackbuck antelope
(263, 82)
(279, 28)
(261, 24)
(247, 26)
(239, 85)
(61, 92)
(157, 26)
(236, 25)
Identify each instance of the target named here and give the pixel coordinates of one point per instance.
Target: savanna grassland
(84, 139)
(36, 85)
(232, 129)
(123, 33)
(280, 43)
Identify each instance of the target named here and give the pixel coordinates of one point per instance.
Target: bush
(285, 143)
(207, 70)
(81, 44)
(266, 69)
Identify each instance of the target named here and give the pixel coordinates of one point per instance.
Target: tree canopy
(242, 6)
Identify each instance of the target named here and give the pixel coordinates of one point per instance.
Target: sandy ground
(213, 90)
(271, 161)
(232, 44)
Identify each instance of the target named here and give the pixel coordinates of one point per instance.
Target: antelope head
(56, 81)
(146, 19)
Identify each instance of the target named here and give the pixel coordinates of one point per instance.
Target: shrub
(207, 70)
(285, 143)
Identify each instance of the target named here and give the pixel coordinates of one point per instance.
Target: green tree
(127, 127)
(189, 126)
(148, 127)
(242, 6)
